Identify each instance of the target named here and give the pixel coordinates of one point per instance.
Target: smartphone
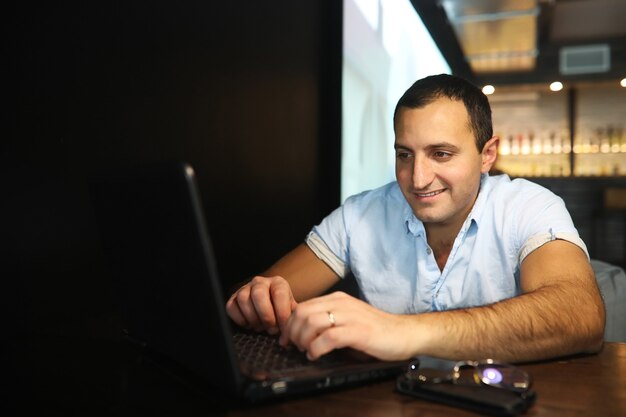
(479, 398)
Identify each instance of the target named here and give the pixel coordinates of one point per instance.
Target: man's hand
(266, 302)
(262, 304)
(353, 324)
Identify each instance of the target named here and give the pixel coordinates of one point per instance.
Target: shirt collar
(479, 204)
(413, 224)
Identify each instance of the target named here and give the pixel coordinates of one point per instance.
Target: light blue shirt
(376, 236)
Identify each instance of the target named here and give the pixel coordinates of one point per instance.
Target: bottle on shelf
(541, 152)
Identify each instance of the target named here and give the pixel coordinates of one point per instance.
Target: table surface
(102, 378)
(592, 385)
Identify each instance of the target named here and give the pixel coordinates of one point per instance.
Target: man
(450, 262)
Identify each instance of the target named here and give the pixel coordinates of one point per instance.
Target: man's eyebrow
(443, 145)
(397, 146)
(439, 145)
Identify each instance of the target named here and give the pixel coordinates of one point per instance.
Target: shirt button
(429, 251)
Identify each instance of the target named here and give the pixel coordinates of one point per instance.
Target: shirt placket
(437, 305)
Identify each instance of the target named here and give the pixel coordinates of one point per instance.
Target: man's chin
(426, 217)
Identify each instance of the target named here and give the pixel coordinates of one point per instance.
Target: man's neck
(441, 239)
(441, 236)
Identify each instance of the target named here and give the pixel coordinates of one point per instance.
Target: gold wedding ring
(331, 318)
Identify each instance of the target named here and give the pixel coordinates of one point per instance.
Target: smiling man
(450, 262)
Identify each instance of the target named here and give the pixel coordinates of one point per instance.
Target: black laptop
(152, 226)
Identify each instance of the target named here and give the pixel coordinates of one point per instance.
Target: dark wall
(248, 92)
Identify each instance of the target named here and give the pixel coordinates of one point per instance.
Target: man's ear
(489, 154)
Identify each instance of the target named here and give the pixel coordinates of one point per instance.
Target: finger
(319, 305)
(247, 309)
(260, 296)
(283, 303)
(293, 325)
(283, 340)
(232, 308)
(328, 340)
(312, 327)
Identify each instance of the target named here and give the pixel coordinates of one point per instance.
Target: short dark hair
(426, 90)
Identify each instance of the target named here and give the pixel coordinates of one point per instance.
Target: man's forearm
(549, 322)
(307, 275)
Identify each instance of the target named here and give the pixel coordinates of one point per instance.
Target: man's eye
(442, 155)
(403, 155)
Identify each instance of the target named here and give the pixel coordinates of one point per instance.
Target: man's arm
(560, 312)
(307, 275)
(266, 302)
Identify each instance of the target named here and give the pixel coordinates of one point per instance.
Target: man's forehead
(435, 102)
(453, 108)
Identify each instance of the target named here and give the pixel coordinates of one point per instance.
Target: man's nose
(423, 173)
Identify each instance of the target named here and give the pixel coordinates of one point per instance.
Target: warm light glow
(488, 89)
(556, 86)
(623, 82)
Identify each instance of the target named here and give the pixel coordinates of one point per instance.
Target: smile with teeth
(429, 194)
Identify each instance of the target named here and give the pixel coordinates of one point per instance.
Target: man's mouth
(430, 194)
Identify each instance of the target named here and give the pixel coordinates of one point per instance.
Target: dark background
(247, 92)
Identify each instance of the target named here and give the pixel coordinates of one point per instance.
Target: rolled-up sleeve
(317, 245)
(545, 218)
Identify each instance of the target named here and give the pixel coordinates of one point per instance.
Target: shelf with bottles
(578, 132)
(546, 154)
(600, 151)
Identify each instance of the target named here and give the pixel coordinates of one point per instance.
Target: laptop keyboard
(262, 352)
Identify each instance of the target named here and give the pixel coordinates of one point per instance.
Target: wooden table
(53, 376)
(593, 385)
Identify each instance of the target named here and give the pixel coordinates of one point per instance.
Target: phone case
(482, 399)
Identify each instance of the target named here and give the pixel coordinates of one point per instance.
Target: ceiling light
(623, 82)
(556, 86)
(490, 89)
